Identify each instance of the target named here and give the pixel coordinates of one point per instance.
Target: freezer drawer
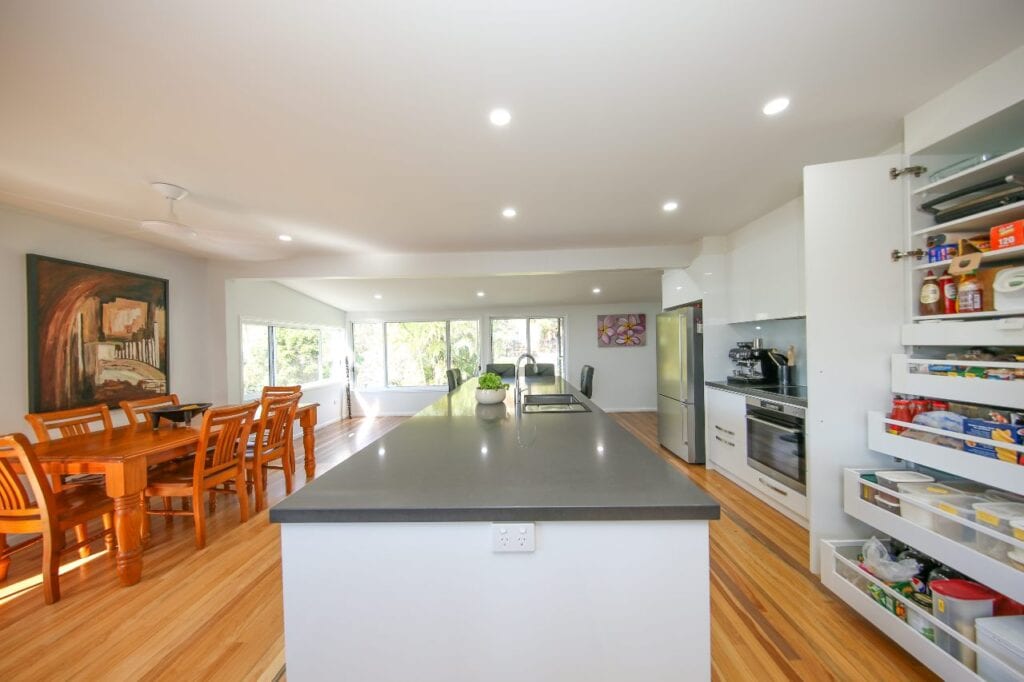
(672, 425)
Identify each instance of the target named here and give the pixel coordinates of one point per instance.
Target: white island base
(598, 601)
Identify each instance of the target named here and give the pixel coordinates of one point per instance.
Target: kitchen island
(396, 563)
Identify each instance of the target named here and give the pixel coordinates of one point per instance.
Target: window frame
(562, 323)
(383, 323)
(272, 351)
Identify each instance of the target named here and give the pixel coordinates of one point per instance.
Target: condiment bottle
(900, 412)
(931, 297)
(947, 288)
(969, 294)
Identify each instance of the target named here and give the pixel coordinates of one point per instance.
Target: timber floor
(216, 614)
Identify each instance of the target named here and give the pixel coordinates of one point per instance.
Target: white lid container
(1000, 638)
(999, 514)
(892, 479)
(1017, 525)
(926, 494)
(957, 505)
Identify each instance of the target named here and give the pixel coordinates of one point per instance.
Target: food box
(1005, 433)
(1007, 236)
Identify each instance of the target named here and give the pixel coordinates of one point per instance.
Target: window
(413, 354)
(287, 355)
(541, 337)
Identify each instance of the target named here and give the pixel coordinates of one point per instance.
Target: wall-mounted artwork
(95, 335)
(627, 330)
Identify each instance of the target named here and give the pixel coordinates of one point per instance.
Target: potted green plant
(490, 389)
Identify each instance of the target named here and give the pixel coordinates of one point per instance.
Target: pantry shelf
(990, 471)
(968, 316)
(963, 389)
(1006, 331)
(834, 567)
(987, 570)
(979, 222)
(997, 256)
(1007, 164)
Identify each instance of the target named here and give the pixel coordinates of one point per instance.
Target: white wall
(22, 233)
(624, 378)
(273, 302)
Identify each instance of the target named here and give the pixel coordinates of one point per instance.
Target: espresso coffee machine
(756, 365)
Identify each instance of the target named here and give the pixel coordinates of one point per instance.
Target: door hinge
(916, 170)
(897, 255)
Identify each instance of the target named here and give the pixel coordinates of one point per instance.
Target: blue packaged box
(1005, 433)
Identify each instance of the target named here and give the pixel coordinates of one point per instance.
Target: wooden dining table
(124, 454)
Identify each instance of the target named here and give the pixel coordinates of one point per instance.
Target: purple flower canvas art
(622, 331)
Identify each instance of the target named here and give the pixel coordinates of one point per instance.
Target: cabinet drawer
(787, 497)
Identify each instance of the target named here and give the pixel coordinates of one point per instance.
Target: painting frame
(622, 330)
(36, 312)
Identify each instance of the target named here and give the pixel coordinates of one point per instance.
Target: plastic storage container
(928, 494)
(892, 481)
(1016, 557)
(1018, 528)
(957, 505)
(1000, 638)
(958, 603)
(888, 503)
(999, 516)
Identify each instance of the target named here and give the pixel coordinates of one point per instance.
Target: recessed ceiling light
(378, 296)
(480, 294)
(509, 212)
(500, 117)
(776, 106)
(597, 290)
(679, 288)
(381, 451)
(284, 237)
(669, 206)
(709, 273)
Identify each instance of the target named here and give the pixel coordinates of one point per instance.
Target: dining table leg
(308, 423)
(125, 482)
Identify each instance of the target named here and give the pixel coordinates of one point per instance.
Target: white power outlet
(513, 537)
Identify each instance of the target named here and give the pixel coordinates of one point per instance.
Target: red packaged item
(947, 293)
(1007, 235)
(940, 406)
(918, 406)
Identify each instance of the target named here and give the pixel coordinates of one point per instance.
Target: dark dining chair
(587, 381)
(541, 369)
(502, 369)
(454, 378)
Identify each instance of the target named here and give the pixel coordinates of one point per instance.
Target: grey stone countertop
(460, 461)
(792, 395)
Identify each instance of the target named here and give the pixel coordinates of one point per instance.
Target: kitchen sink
(552, 402)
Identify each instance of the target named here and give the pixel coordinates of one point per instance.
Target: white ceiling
(362, 126)
(441, 294)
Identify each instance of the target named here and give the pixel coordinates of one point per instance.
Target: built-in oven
(775, 442)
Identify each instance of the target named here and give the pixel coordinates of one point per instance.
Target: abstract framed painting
(626, 330)
(95, 335)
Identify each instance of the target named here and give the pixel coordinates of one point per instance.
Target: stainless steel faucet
(519, 362)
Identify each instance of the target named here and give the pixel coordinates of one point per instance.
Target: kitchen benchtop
(768, 392)
(460, 461)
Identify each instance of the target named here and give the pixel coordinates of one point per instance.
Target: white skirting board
(596, 602)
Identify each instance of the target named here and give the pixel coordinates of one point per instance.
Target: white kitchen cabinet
(727, 431)
(766, 266)
(862, 309)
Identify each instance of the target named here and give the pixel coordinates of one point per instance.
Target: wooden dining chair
(137, 411)
(45, 513)
(64, 423)
(218, 467)
(278, 391)
(274, 441)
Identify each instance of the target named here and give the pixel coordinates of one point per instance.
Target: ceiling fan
(169, 226)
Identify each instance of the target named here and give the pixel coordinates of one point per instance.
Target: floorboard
(216, 613)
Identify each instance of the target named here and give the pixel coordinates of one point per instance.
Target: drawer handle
(769, 485)
(731, 433)
(722, 440)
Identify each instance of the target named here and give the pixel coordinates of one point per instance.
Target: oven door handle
(773, 425)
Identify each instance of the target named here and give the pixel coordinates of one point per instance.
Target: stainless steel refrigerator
(681, 383)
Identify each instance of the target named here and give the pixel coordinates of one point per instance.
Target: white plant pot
(490, 396)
